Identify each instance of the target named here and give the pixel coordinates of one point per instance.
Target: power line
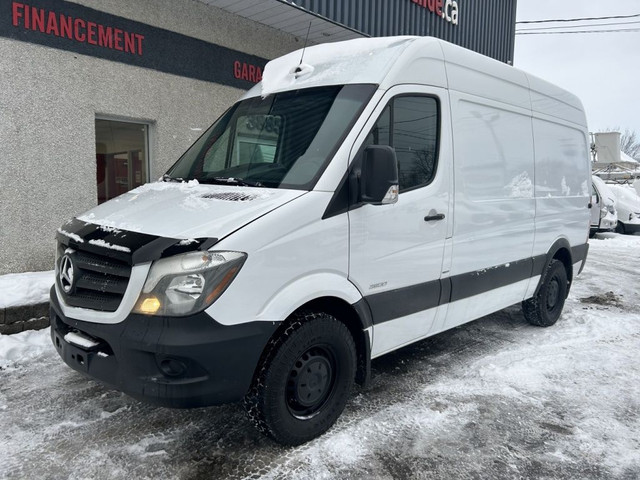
(578, 19)
(536, 29)
(581, 31)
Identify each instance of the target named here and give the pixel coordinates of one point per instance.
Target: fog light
(172, 367)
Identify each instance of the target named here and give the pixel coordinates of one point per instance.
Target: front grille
(99, 282)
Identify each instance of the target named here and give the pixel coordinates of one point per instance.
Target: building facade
(100, 96)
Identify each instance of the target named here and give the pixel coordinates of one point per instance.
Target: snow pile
(23, 346)
(30, 288)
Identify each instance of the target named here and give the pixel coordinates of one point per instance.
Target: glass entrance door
(121, 157)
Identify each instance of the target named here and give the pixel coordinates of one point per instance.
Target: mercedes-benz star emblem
(66, 274)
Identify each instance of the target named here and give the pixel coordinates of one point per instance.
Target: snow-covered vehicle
(604, 217)
(366, 195)
(628, 208)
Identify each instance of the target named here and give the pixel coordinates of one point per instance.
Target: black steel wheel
(304, 380)
(544, 308)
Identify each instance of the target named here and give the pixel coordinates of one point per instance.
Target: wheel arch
(560, 250)
(356, 317)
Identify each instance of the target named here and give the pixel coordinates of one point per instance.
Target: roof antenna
(298, 70)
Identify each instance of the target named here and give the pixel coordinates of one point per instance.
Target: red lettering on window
(17, 10)
(79, 26)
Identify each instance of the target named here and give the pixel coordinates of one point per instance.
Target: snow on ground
(23, 346)
(29, 288)
(495, 398)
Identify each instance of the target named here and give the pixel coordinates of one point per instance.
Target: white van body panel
(484, 77)
(562, 182)
(299, 250)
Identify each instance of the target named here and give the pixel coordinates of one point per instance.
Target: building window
(121, 157)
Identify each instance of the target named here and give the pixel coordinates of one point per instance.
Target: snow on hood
(363, 60)
(188, 210)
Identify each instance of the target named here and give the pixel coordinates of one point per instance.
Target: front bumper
(631, 228)
(179, 362)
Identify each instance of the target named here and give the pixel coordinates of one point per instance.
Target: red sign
(247, 71)
(447, 9)
(75, 29)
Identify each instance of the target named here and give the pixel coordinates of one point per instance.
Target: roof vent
(231, 196)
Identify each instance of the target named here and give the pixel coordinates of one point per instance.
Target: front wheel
(303, 383)
(544, 308)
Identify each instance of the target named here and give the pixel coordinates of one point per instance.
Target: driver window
(409, 124)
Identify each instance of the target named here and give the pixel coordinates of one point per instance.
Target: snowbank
(30, 288)
(23, 346)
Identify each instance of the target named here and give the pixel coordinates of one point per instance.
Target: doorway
(122, 160)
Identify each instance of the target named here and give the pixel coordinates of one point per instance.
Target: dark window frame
(391, 106)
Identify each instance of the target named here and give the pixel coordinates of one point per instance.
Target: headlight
(188, 283)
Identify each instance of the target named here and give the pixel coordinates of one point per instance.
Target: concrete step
(27, 317)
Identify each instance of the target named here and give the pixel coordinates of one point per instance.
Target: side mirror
(379, 177)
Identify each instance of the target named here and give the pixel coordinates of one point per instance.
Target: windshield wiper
(231, 181)
(168, 178)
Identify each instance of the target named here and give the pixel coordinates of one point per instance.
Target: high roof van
(366, 195)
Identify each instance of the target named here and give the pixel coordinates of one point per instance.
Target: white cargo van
(366, 195)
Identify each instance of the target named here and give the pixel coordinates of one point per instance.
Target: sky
(603, 69)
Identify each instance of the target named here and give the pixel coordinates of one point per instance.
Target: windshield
(284, 140)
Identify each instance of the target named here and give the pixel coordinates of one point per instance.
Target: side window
(410, 125)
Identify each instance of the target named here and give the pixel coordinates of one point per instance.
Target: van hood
(187, 210)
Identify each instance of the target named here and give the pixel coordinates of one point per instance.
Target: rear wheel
(303, 383)
(620, 228)
(544, 309)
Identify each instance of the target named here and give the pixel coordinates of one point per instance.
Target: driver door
(396, 251)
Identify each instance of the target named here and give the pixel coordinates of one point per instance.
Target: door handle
(431, 218)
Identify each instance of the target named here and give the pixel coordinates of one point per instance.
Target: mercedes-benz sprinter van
(364, 196)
